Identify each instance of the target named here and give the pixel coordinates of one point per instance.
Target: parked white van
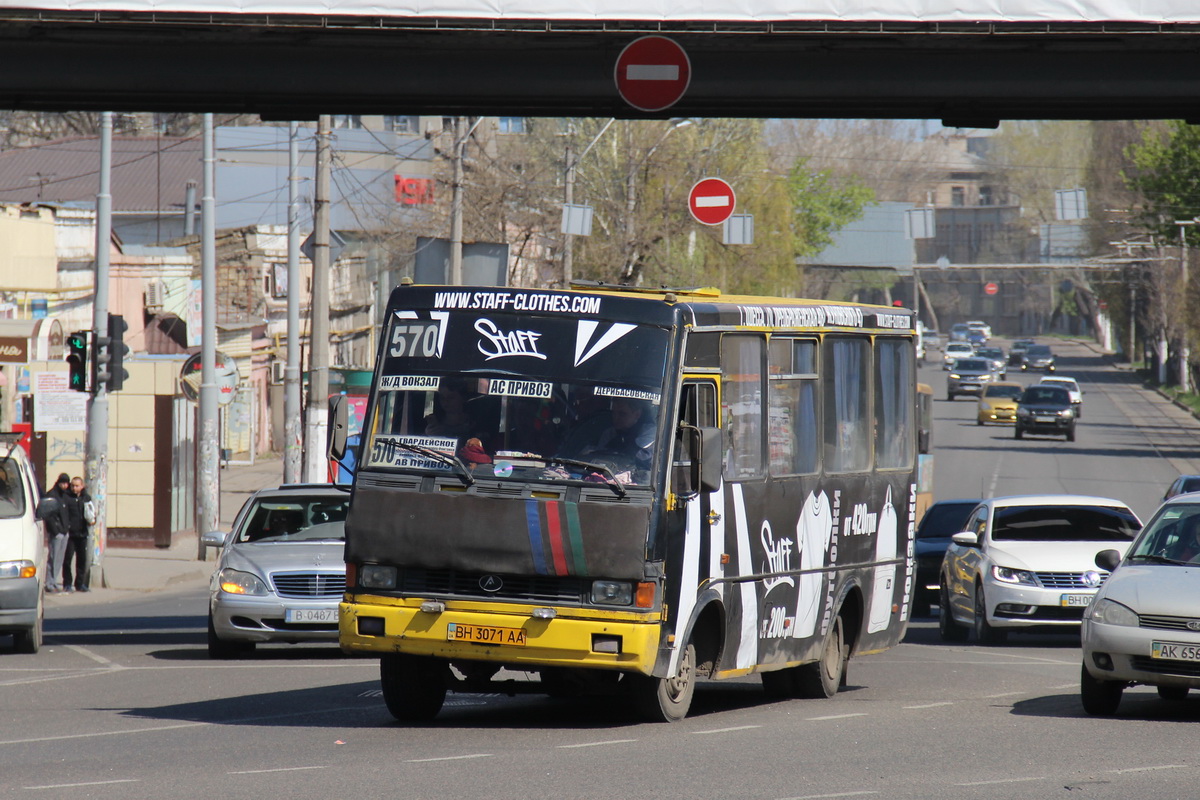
(22, 548)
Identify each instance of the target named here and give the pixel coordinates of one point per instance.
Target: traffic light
(117, 350)
(77, 360)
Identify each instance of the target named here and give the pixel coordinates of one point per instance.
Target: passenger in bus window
(450, 416)
(590, 416)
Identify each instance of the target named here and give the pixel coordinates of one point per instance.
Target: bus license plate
(1175, 651)
(1074, 600)
(484, 634)
(314, 616)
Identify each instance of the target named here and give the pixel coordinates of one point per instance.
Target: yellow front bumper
(565, 641)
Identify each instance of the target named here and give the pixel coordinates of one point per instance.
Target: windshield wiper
(611, 479)
(450, 460)
(1157, 559)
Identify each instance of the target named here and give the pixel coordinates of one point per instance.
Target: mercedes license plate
(484, 634)
(1175, 651)
(1073, 600)
(311, 616)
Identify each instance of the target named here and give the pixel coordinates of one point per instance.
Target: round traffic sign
(711, 201)
(652, 73)
(227, 378)
(991, 288)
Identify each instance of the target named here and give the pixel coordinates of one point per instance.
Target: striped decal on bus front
(554, 527)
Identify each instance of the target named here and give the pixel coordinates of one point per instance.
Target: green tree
(822, 204)
(1166, 172)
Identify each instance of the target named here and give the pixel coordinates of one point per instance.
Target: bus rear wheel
(824, 678)
(667, 699)
(414, 687)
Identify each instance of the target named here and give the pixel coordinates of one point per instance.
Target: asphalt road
(123, 701)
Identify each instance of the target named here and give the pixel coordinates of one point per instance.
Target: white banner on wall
(57, 407)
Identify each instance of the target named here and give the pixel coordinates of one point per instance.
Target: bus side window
(742, 357)
(697, 419)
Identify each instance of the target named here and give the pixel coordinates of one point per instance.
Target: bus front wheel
(667, 699)
(414, 687)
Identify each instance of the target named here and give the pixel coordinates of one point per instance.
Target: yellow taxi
(998, 402)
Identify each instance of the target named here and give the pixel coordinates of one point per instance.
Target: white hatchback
(1028, 562)
(1144, 625)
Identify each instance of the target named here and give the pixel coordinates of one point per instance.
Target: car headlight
(1111, 612)
(18, 569)
(954, 375)
(612, 593)
(234, 581)
(1023, 412)
(1067, 412)
(377, 576)
(1010, 575)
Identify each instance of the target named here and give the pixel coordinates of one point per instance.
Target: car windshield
(973, 365)
(12, 493)
(1003, 391)
(1038, 350)
(1064, 523)
(1046, 395)
(1070, 386)
(990, 352)
(945, 519)
(1188, 485)
(1173, 534)
(296, 519)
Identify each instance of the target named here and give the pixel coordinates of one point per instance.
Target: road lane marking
(1004, 694)
(277, 769)
(826, 796)
(182, 725)
(929, 705)
(77, 785)
(83, 651)
(596, 744)
(833, 716)
(1147, 769)
(1003, 780)
(448, 758)
(726, 730)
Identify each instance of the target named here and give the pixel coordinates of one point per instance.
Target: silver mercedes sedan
(281, 572)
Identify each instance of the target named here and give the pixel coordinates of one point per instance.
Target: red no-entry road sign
(711, 201)
(652, 73)
(990, 288)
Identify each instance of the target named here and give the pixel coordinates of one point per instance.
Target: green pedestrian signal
(77, 360)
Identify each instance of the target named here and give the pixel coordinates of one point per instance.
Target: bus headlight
(377, 576)
(612, 593)
(234, 581)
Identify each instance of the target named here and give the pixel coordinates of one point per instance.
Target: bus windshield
(518, 397)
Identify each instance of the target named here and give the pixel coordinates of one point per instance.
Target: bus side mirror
(697, 466)
(338, 424)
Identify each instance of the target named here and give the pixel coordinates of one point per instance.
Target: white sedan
(1072, 387)
(955, 351)
(1028, 562)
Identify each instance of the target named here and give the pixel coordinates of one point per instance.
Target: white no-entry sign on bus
(652, 73)
(711, 201)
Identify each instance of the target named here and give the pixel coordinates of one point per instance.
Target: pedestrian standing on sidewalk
(78, 510)
(56, 530)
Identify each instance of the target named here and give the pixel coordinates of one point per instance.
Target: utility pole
(318, 372)
(568, 258)
(456, 203)
(208, 479)
(293, 434)
(96, 454)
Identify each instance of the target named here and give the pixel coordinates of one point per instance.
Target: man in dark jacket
(57, 532)
(77, 539)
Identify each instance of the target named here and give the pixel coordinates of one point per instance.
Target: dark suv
(1046, 410)
(1039, 357)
